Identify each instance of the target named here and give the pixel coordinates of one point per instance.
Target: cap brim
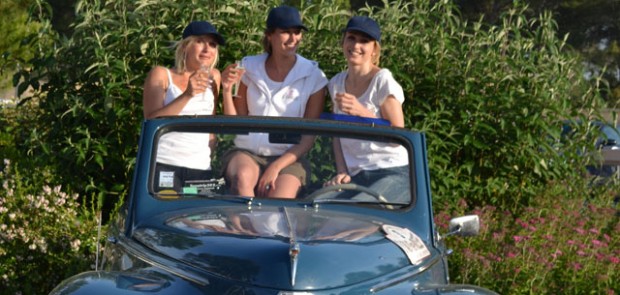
(291, 26)
(219, 38)
(360, 30)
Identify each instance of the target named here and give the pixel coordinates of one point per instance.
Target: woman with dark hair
(278, 82)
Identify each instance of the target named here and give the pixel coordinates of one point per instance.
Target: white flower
(75, 245)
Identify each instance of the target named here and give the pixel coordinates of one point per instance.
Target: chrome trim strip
(137, 250)
(384, 285)
(294, 247)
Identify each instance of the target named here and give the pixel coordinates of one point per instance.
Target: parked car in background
(609, 145)
(343, 239)
(606, 141)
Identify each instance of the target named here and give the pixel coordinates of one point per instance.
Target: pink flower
(580, 231)
(594, 231)
(599, 256)
(577, 266)
(598, 243)
(522, 223)
(581, 253)
(614, 259)
(511, 255)
(518, 239)
(571, 242)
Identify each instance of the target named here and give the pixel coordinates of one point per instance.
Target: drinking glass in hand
(339, 89)
(206, 71)
(239, 71)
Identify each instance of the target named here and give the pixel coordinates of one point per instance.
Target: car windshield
(612, 135)
(192, 162)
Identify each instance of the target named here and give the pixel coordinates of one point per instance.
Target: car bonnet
(285, 248)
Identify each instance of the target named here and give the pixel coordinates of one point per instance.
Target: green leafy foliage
(559, 245)
(45, 235)
(591, 25)
(14, 28)
(490, 98)
(486, 96)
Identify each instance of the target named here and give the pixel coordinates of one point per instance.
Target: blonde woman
(191, 87)
(366, 90)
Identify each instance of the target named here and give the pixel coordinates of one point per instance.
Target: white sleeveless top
(184, 149)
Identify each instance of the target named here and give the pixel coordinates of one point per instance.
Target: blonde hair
(376, 58)
(180, 54)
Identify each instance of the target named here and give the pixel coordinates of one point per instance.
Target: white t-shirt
(279, 99)
(185, 149)
(369, 155)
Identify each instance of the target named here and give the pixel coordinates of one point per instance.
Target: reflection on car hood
(285, 248)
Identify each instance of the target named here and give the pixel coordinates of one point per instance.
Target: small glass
(239, 69)
(207, 70)
(339, 88)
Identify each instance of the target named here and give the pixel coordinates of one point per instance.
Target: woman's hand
(267, 181)
(230, 76)
(340, 178)
(198, 83)
(349, 104)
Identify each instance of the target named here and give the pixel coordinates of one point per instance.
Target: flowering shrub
(560, 245)
(44, 236)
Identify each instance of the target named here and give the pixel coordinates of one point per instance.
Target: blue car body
(183, 243)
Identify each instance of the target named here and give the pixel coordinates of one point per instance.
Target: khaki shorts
(299, 169)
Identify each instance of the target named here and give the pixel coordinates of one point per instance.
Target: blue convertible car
(200, 238)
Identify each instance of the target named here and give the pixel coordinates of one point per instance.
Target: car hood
(284, 248)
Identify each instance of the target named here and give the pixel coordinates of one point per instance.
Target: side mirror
(464, 226)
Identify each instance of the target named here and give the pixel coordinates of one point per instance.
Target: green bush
(490, 99)
(559, 245)
(45, 234)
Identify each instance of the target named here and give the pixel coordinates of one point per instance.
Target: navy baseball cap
(198, 28)
(284, 17)
(365, 25)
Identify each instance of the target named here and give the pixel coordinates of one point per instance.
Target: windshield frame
(353, 132)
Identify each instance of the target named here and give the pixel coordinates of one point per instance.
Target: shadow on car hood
(284, 248)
